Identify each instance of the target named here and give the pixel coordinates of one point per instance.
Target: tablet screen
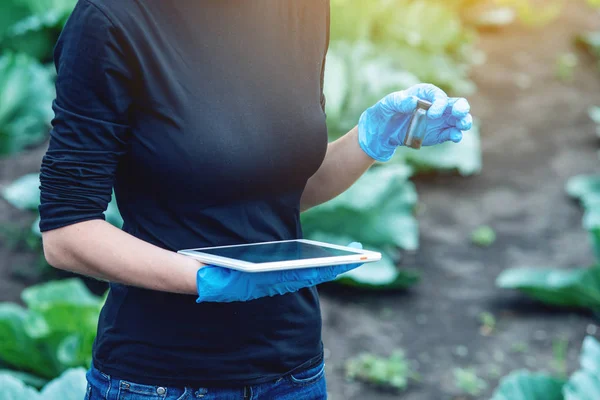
(272, 252)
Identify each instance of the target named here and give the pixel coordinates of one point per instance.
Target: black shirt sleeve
(90, 128)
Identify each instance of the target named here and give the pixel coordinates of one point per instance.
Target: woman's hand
(218, 284)
(382, 127)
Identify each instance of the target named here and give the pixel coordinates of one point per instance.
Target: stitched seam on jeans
(310, 380)
(185, 393)
(108, 389)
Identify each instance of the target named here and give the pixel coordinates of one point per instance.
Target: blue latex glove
(218, 284)
(382, 127)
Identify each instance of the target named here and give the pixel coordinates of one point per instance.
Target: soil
(17, 265)
(534, 139)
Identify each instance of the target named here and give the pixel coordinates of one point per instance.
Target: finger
(211, 280)
(306, 274)
(434, 95)
(340, 269)
(401, 102)
(460, 108)
(451, 134)
(214, 272)
(466, 123)
(355, 245)
(438, 107)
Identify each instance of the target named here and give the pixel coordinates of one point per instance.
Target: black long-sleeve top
(207, 119)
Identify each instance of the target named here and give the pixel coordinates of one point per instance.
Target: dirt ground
(15, 265)
(534, 139)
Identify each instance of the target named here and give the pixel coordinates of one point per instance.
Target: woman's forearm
(344, 163)
(98, 249)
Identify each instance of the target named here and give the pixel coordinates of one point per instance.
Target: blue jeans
(304, 385)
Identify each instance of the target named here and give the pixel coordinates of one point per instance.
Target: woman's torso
(227, 126)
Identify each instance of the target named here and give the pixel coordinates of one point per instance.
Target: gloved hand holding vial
(422, 115)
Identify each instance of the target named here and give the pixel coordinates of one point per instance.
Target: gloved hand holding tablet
(247, 272)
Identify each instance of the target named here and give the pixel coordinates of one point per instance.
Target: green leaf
(357, 75)
(15, 340)
(70, 385)
(28, 379)
(66, 307)
(10, 13)
(379, 275)
(429, 40)
(381, 47)
(585, 188)
(584, 384)
(594, 235)
(36, 326)
(336, 84)
(393, 372)
(377, 210)
(40, 7)
(524, 385)
(435, 26)
(14, 389)
(24, 193)
(463, 157)
(467, 380)
(112, 214)
(55, 333)
(483, 236)
(68, 350)
(354, 20)
(441, 69)
(578, 287)
(18, 348)
(35, 227)
(36, 27)
(35, 35)
(67, 291)
(26, 94)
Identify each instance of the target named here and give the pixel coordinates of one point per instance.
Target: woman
(208, 119)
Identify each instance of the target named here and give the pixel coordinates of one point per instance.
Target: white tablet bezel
(361, 256)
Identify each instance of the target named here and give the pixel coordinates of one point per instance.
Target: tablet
(280, 255)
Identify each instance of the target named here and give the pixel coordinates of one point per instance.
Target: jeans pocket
(308, 376)
(135, 391)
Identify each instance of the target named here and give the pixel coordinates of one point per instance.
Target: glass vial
(417, 126)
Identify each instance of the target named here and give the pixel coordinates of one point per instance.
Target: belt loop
(247, 392)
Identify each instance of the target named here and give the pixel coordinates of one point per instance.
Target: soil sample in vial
(417, 125)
